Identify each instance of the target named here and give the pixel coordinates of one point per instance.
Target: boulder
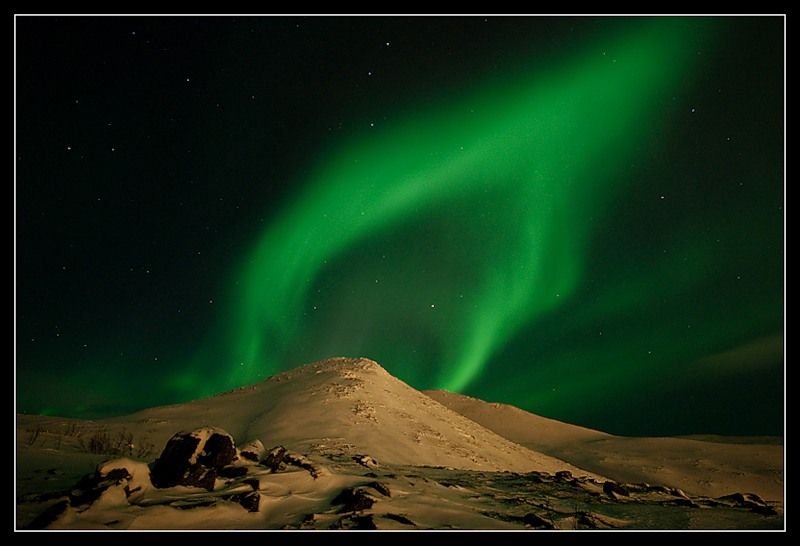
(274, 458)
(252, 451)
(193, 458)
(536, 521)
(676, 492)
(612, 488)
(751, 501)
(381, 488)
(133, 477)
(365, 460)
(51, 514)
(564, 476)
(354, 499)
(249, 501)
(356, 522)
(301, 461)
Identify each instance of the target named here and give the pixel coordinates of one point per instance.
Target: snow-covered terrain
(342, 444)
(701, 467)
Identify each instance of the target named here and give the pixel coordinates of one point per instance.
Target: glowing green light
(538, 153)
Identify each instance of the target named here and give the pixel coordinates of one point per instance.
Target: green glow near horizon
(538, 154)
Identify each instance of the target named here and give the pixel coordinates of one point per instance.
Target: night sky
(579, 216)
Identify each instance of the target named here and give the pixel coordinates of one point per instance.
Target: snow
(348, 423)
(138, 484)
(203, 434)
(698, 467)
(348, 406)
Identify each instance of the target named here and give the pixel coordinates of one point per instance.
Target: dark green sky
(579, 216)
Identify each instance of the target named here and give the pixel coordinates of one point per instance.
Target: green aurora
(513, 173)
(432, 244)
(495, 244)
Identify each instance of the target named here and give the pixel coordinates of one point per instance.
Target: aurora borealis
(579, 216)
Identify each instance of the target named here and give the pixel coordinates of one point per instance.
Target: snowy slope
(349, 406)
(710, 468)
(436, 468)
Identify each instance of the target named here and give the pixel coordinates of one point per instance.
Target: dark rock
(49, 515)
(200, 476)
(249, 455)
(232, 471)
(90, 487)
(353, 500)
(365, 460)
(590, 520)
(116, 474)
(613, 487)
(399, 518)
(675, 492)
(296, 459)
(564, 475)
(735, 498)
(354, 522)
(252, 451)
(193, 459)
(249, 501)
(537, 522)
(743, 499)
(173, 462)
(751, 501)
(274, 458)
(765, 510)
(129, 491)
(381, 488)
(638, 487)
(218, 451)
(252, 482)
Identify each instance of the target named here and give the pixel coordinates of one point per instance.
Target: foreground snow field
(342, 444)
